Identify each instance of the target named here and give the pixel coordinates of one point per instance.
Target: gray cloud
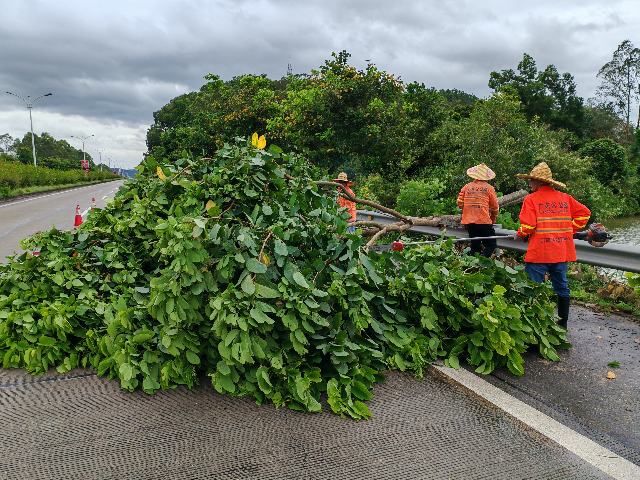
(114, 63)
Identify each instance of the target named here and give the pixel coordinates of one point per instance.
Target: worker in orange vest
(549, 219)
(348, 204)
(479, 204)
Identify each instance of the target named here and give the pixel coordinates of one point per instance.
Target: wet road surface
(576, 391)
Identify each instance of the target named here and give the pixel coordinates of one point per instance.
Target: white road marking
(11, 229)
(44, 196)
(598, 456)
(49, 214)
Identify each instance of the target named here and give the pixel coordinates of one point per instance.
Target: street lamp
(100, 150)
(29, 103)
(84, 157)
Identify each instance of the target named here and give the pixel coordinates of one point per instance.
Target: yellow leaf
(611, 375)
(210, 205)
(637, 340)
(161, 174)
(264, 258)
(254, 140)
(262, 142)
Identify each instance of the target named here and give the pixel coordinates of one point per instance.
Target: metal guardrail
(612, 255)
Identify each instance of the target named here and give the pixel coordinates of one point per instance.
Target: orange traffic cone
(93, 203)
(78, 221)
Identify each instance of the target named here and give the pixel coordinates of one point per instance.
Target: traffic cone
(78, 221)
(93, 203)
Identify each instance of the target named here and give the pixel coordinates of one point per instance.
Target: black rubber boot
(563, 310)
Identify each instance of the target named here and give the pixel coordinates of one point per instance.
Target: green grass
(47, 188)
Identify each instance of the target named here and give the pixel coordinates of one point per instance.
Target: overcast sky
(110, 65)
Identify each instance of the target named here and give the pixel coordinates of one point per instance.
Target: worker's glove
(518, 238)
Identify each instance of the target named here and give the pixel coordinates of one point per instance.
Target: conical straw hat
(541, 172)
(481, 172)
(342, 178)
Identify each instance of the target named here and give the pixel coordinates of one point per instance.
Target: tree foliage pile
(240, 268)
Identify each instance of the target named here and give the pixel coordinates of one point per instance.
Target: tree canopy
(546, 94)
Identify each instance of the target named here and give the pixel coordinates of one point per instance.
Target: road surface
(558, 420)
(24, 217)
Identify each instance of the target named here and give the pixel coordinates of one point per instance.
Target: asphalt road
(25, 217)
(576, 391)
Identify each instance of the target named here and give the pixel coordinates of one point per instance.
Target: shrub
(610, 163)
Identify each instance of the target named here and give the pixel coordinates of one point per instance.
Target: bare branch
(366, 222)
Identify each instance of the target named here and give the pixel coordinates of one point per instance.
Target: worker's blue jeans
(557, 272)
(351, 229)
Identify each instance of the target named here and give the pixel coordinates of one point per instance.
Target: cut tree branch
(406, 222)
(361, 201)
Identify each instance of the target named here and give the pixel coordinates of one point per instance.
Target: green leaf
(613, 364)
(264, 382)
(399, 362)
(454, 362)
(260, 317)
(255, 266)
(300, 280)
(126, 371)
(226, 383)
(281, 248)
(142, 336)
(192, 357)
(47, 341)
(428, 318)
(223, 368)
(248, 286)
(266, 292)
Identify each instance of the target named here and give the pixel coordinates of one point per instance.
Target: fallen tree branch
(405, 222)
(393, 227)
(438, 220)
(361, 201)
(366, 222)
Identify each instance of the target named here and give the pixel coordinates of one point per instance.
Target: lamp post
(100, 150)
(84, 157)
(29, 103)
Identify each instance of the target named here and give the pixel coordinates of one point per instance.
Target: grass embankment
(16, 178)
(48, 188)
(592, 289)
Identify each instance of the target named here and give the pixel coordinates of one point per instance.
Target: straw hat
(541, 172)
(481, 172)
(342, 178)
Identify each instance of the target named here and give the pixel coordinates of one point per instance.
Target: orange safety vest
(550, 218)
(479, 203)
(351, 206)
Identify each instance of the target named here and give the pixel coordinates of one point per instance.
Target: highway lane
(27, 216)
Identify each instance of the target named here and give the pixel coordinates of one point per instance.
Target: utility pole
(84, 156)
(29, 103)
(100, 150)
